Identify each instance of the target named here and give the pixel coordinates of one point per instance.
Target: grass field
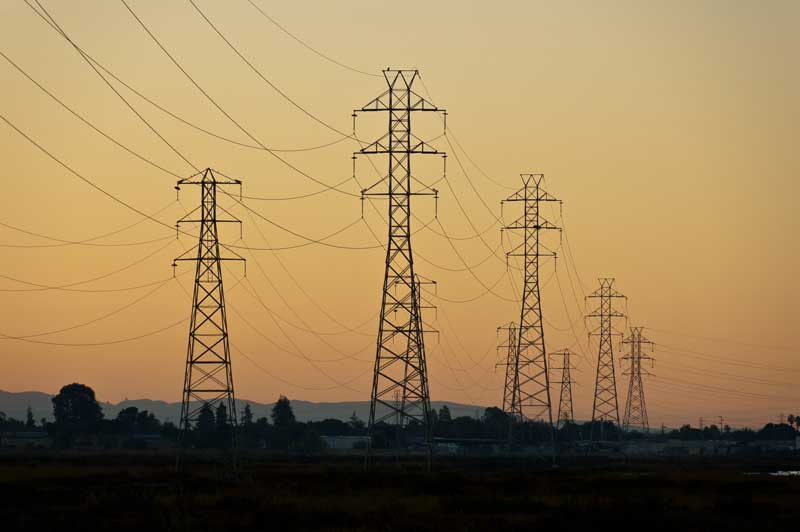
(143, 492)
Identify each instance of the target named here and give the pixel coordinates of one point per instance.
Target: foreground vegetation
(142, 491)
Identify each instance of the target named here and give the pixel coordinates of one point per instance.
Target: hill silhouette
(15, 404)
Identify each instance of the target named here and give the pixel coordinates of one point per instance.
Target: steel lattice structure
(605, 406)
(530, 394)
(565, 410)
(512, 364)
(636, 408)
(209, 377)
(400, 364)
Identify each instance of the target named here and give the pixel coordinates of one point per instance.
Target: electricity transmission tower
(565, 411)
(530, 396)
(512, 364)
(208, 378)
(636, 408)
(605, 406)
(400, 358)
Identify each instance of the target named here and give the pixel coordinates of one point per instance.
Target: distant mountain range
(15, 405)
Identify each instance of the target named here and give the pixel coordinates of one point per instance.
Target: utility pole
(605, 405)
(635, 407)
(565, 411)
(531, 394)
(208, 379)
(400, 358)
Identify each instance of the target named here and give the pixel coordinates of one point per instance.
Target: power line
(297, 314)
(85, 121)
(735, 362)
(96, 344)
(84, 179)
(43, 287)
(309, 240)
(85, 56)
(281, 379)
(308, 46)
(91, 241)
(300, 287)
(149, 161)
(470, 269)
(274, 315)
(299, 352)
(263, 77)
(127, 103)
(68, 286)
(225, 113)
(177, 117)
(113, 312)
(729, 341)
(450, 131)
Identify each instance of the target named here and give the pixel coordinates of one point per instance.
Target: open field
(143, 492)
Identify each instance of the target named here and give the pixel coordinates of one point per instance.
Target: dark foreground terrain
(143, 492)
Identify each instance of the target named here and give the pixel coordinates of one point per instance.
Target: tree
(247, 416)
(284, 424)
(496, 422)
(30, 422)
(204, 431)
(356, 425)
(772, 431)
(223, 427)
(222, 416)
(76, 411)
(444, 415)
(282, 413)
(147, 423)
(126, 420)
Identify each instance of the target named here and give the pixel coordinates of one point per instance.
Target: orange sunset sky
(668, 129)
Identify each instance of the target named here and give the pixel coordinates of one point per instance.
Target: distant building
(345, 442)
(21, 440)
(149, 441)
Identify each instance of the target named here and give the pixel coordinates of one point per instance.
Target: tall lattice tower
(511, 363)
(400, 358)
(636, 408)
(565, 410)
(531, 393)
(605, 406)
(208, 378)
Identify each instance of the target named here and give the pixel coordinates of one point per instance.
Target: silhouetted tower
(605, 406)
(531, 394)
(208, 378)
(636, 408)
(511, 363)
(565, 411)
(400, 357)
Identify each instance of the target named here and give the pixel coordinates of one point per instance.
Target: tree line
(79, 421)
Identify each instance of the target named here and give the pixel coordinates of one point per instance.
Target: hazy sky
(669, 130)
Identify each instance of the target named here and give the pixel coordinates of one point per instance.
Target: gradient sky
(669, 130)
